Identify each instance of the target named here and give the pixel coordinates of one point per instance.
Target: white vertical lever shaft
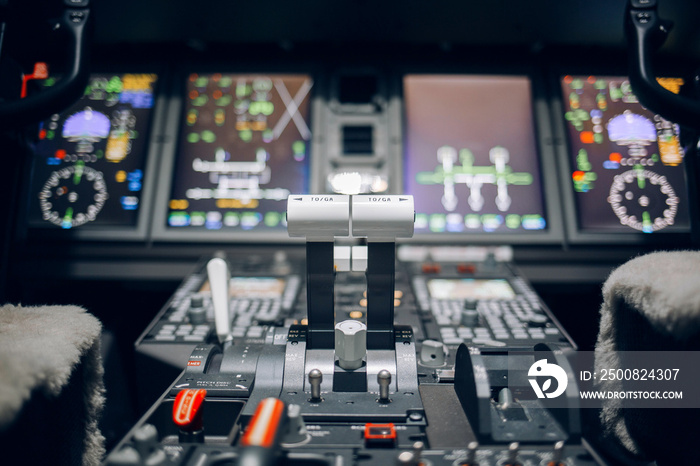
(219, 278)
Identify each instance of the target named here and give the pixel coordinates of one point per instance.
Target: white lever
(382, 218)
(219, 278)
(318, 217)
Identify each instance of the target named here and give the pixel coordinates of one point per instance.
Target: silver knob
(350, 343)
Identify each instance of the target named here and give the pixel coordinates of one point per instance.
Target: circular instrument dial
(643, 200)
(73, 196)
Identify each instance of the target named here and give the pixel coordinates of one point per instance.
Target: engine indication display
(627, 162)
(243, 148)
(89, 160)
(471, 157)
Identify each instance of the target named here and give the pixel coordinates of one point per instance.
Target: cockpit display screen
(89, 161)
(470, 288)
(627, 170)
(471, 156)
(243, 148)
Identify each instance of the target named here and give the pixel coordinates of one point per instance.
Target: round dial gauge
(73, 196)
(643, 200)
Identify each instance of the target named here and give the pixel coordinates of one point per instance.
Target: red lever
(265, 425)
(41, 71)
(187, 409)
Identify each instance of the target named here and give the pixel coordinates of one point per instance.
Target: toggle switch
(384, 381)
(471, 453)
(315, 379)
(558, 454)
(513, 450)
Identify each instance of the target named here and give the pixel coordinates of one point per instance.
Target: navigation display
(89, 161)
(627, 162)
(471, 158)
(243, 148)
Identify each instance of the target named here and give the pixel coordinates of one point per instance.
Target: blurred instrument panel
(161, 167)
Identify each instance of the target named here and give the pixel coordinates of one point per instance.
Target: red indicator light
(380, 435)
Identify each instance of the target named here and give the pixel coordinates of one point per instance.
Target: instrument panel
(93, 166)
(481, 153)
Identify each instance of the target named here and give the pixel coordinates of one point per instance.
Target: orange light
(591, 79)
(578, 175)
(616, 157)
(587, 137)
(217, 94)
(568, 79)
(671, 84)
(193, 77)
(194, 95)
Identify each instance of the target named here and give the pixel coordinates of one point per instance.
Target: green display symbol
(577, 117)
(646, 222)
(225, 81)
(641, 179)
(208, 136)
(201, 81)
(78, 173)
(246, 135)
(200, 100)
(114, 85)
(68, 218)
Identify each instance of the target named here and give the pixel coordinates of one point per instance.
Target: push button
(380, 435)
